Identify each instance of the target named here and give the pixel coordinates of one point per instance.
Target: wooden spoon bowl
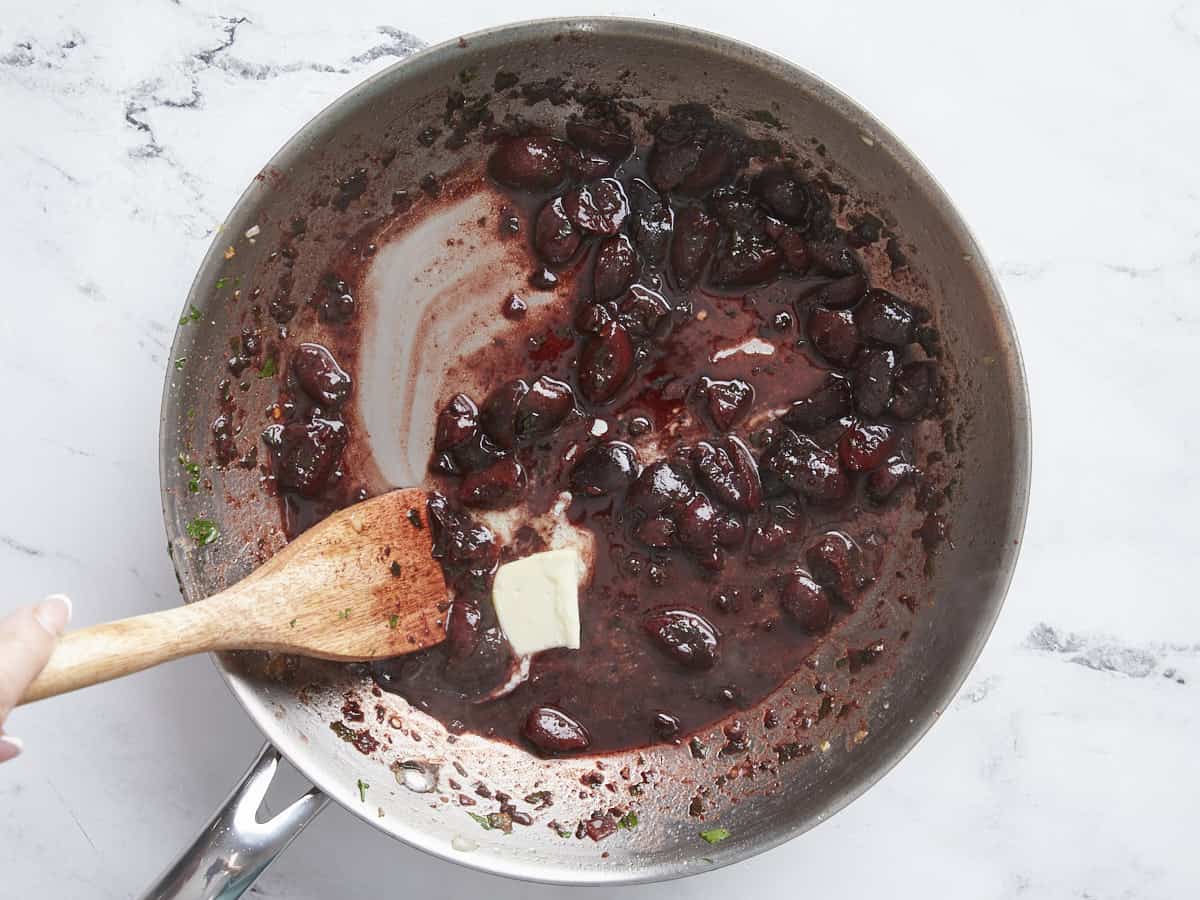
(360, 585)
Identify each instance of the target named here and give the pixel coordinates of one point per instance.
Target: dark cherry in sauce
(724, 552)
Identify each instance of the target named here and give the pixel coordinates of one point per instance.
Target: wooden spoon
(360, 585)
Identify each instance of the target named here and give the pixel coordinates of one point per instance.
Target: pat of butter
(537, 600)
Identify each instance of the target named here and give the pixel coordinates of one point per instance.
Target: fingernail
(10, 747)
(54, 613)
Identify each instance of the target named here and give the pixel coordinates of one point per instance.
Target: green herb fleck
(180, 363)
(561, 830)
(345, 613)
(628, 821)
(714, 835)
(340, 729)
(764, 116)
(191, 414)
(203, 531)
(222, 282)
(268, 369)
(362, 791)
(193, 470)
(393, 621)
(469, 74)
(538, 797)
(482, 820)
(192, 315)
(292, 624)
(501, 821)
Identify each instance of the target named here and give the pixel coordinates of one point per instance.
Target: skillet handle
(235, 848)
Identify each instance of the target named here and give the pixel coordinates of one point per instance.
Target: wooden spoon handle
(103, 652)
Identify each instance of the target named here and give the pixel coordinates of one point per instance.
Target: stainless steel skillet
(373, 127)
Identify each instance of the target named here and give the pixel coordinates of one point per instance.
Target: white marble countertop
(1066, 133)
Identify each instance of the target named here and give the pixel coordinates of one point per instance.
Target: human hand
(27, 638)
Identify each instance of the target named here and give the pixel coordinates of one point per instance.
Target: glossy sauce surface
(725, 412)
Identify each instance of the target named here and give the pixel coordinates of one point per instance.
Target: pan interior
(412, 768)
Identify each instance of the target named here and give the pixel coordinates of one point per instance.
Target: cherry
(499, 486)
(873, 381)
(462, 628)
(653, 222)
(836, 562)
(842, 293)
(864, 447)
(459, 541)
(727, 402)
(320, 376)
(616, 267)
(530, 163)
(805, 601)
(539, 413)
(714, 165)
(499, 413)
(599, 206)
(610, 145)
(915, 386)
(477, 452)
(834, 334)
(553, 731)
(883, 481)
(305, 454)
(670, 164)
(728, 469)
(745, 258)
(605, 363)
(886, 319)
(806, 468)
(685, 635)
(834, 258)
(830, 400)
(773, 532)
(486, 668)
(691, 153)
(794, 200)
(695, 235)
(592, 317)
(645, 312)
(554, 237)
(697, 524)
(606, 468)
(457, 423)
(737, 210)
(662, 486)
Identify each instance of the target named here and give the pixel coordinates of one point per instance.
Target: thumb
(27, 638)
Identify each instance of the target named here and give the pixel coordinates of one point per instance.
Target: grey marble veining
(1067, 135)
